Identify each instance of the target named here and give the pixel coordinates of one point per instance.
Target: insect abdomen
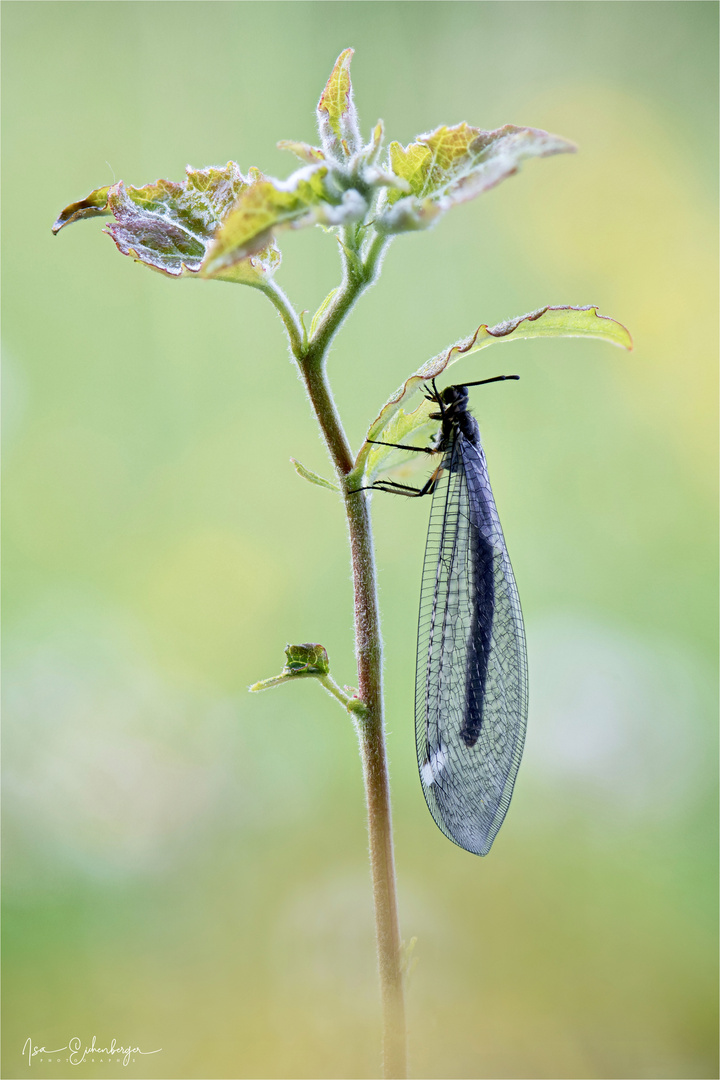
(480, 638)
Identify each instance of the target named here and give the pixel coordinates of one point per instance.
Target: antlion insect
(471, 681)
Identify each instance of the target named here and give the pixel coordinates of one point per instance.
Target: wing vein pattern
(471, 686)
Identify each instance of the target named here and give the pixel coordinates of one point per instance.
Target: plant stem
(327, 681)
(371, 733)
(287, 313)
(311, 357)
(368, 645)
(332, 688)
(358, 274)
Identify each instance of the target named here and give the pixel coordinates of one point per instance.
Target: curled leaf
(395, 424)
(93, 205)
(310, 661)
(454, 164)
(337, 118)
(170, 226)
(307, 659)
(301, 661)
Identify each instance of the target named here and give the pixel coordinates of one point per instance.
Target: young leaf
(310, 661)
(337, 118)
(322, 309)
(454, 164)
(169, 226)
(375, 145)
(307, 659)
(307, 153)
(217, 223)
(394, 424)
(308, 474)
(308, 197)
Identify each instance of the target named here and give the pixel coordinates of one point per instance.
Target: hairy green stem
(359, 272)
(293, 326)
(332, 688)
(352, 704)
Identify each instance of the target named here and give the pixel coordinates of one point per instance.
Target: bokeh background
(185, 864)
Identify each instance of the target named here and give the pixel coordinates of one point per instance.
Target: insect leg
(403, 446)
(394, 488)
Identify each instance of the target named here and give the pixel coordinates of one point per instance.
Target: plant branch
(348, 701)
(375, 251)
(353, 705)
(358, 274)
(293, 326)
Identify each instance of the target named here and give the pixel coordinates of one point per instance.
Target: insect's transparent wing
(471, 689)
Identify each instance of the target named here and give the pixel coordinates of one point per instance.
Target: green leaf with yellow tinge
(170, 226)
(395, 424)
(337, 118)
(308, 197)
(454, 164)
(307, 153)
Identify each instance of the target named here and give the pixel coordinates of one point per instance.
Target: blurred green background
(186, 865)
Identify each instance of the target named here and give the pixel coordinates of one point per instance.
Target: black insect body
(471, 681)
